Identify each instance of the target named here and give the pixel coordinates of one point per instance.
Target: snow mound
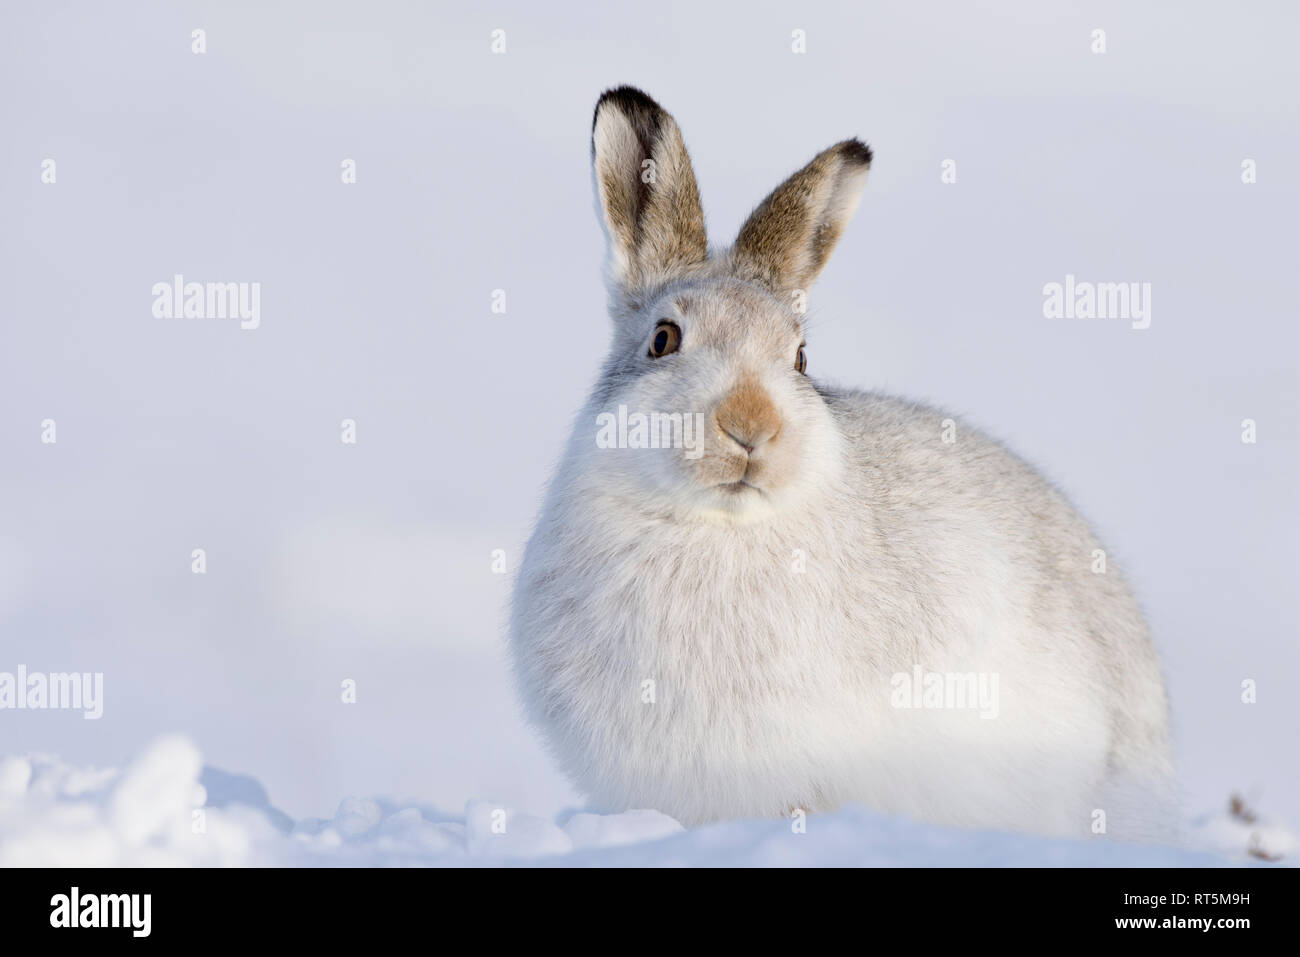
(166, 809)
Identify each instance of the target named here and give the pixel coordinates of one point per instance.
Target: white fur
(771, 672)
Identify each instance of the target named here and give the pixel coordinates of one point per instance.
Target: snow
(166, 809)
(372, 563)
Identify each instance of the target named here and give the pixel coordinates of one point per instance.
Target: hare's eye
(667, 337)
(801, 362)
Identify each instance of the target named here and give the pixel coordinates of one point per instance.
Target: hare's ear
(788, 238)
(646, 191)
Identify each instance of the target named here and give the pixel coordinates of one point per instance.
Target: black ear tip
(627, 99)
(856, 151)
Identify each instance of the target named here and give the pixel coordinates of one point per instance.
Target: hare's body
(773, 647)
(870, 603)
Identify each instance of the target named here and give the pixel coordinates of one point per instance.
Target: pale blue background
(373, 562)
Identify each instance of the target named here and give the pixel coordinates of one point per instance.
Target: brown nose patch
(748, 415)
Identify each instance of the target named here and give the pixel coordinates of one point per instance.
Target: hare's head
(706, 378)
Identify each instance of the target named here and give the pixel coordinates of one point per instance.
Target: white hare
(822, 596)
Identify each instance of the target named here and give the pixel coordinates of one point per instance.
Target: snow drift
(166, 809)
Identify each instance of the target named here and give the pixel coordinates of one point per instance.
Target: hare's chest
(695, 674)
(731, 632)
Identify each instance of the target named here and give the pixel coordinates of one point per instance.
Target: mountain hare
(781, 595)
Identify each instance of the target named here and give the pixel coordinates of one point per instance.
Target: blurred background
(374, 561)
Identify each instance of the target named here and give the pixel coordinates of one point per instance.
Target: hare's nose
(747, 416)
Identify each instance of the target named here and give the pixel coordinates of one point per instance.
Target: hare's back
(914, 462)
(948, 499)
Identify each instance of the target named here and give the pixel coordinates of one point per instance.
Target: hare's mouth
(737, 487)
